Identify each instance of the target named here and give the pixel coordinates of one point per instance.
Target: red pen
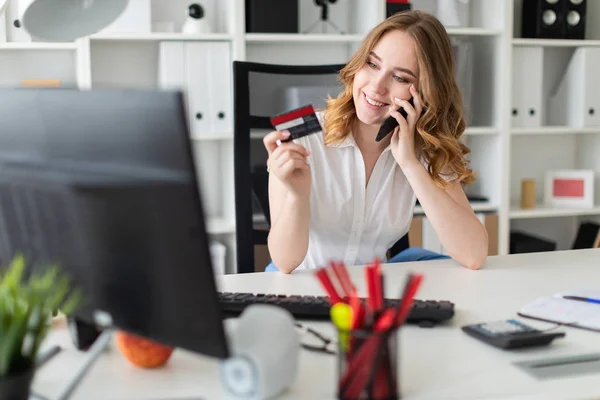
(378, 283)
(323, 277)
(343, 278)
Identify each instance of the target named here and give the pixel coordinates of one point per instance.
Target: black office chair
(260, 92)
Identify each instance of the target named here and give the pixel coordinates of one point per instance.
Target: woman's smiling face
(390, 70)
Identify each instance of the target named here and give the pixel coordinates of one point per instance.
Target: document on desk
(558, 309)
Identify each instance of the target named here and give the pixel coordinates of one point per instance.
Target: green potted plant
(27, 302)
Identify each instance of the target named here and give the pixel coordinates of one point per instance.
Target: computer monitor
(103, 182)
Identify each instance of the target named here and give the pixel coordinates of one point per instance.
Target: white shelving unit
(502, 152)
(535, 148)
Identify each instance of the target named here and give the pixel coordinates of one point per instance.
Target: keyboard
(426, 313)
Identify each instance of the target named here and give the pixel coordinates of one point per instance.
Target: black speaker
(575, 19)
(272, 16)
(395, 6)
(554, 19)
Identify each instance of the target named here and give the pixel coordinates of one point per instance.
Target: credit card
(299, 122)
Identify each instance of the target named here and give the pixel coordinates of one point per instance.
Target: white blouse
(349, 220)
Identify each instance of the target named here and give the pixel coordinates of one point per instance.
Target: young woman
(341, 195)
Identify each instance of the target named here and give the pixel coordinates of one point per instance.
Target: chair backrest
(260, 92)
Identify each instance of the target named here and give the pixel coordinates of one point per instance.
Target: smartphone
(390, 123)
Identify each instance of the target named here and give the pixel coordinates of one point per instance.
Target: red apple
(142, 352)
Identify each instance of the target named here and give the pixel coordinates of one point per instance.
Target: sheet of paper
(571, 312)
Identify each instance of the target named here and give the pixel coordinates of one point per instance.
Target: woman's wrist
(410, 164)
(295, 198)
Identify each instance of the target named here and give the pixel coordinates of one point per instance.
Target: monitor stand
(93, 353)
(83, 334)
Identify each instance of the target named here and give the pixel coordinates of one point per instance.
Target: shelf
(473, 32)
(556, 42)
(219, 226)
(159, 36)
(554, 130)
(543, 211)
(212, 136)
(37, 46)
(470, 131)
(477, 207)
(302, 38)
(481, 130)
(349, 38)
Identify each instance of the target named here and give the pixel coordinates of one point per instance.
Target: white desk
(438, 363)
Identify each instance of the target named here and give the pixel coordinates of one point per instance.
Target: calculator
(510, 334)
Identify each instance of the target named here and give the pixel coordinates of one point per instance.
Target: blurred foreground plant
(27, 302)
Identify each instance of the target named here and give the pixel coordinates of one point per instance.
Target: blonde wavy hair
(442, 122)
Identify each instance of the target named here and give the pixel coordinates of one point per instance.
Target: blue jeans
(410, 254)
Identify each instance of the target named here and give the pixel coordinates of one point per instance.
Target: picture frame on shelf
(569, 188)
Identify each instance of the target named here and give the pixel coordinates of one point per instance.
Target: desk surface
(438, 363)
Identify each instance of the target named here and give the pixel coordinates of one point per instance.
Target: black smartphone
(390, 123)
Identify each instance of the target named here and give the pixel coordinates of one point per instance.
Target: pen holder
(367, 365)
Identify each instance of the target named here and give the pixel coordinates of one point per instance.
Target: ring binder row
(538, 99)
(203, 71)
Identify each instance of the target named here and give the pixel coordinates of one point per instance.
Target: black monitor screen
(103, 183)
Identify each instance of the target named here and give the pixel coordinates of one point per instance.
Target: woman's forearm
(288, 236)
(460, 232)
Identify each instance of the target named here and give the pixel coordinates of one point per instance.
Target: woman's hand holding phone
(288, 162)
(403, 137)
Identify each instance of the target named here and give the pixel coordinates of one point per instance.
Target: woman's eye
(400, 79)
(371, 64)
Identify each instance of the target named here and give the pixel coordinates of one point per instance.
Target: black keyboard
(423, 312)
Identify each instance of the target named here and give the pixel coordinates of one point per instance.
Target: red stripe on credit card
(292, 115)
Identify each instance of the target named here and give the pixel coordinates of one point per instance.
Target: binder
(527, 106)
(463, 60)
(220, 88)
(172, 73)
(197, 81)
(576, 100)
(202, 70)
(171, 66)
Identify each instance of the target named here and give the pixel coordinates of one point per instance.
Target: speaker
(395, 6)
(575, 13)
(272, 16)
(554, 19)
(265, 347)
